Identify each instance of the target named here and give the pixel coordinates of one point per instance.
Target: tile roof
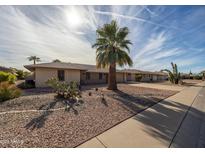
(143, 72)
(86, 67)
(2, 68)
(62, 65)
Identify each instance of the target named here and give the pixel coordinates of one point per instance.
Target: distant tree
(190, 75)
(56, 60)
(203, 75)
(34, 59)
(20, 74)
(174, 75)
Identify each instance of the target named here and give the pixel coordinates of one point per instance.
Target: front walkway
(157, 126)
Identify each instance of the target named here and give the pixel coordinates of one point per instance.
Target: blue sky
(160, 34)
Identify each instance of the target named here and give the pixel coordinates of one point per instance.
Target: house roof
(5, 69)
(143, 72)
(62, 65)
(86, 67)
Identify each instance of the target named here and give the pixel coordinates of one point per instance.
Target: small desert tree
(203, 75)
(174, 75)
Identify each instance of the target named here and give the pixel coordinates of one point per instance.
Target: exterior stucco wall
(154, 77)
(125, 77)
(130, 76)
(43, 74)
(146, 77)
(94, 78)
(160, 78)
(133, 77)
(120, 77)
(72, 75)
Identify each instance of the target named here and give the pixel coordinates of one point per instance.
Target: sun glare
(73, 18)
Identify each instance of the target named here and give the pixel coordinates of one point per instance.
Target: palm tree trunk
(112, 85)
(34, 62)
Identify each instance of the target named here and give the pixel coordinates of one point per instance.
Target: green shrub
(8, 91)
(25, 85)
(65, 90)
(138, 77)
(22, 74)
(198, 77)
(4, 76)
(11, 78)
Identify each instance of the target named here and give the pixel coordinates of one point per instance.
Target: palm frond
(174, 76)
(112, 45)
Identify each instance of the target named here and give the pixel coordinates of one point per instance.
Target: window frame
(61, 75)
(100, 76)
(87, 75)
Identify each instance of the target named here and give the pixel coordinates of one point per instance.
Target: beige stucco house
(203, 75)
(86, 74)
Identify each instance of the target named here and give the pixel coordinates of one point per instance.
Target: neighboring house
(146, 75)
(5, 69)
(85, 74)
(203, 75)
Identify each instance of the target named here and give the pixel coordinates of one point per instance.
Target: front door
(106, 77)
(129, 77)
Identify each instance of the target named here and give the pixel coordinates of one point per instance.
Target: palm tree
(112, 49)
(174, 75)
(34, 59)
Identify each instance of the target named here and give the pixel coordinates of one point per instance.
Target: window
(87, 76)
(100, 76)
(61, 75)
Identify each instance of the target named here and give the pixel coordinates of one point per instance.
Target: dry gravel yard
(43, 121)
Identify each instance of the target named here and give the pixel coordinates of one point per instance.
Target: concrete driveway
(174, 122)
(191, 134)
(158, 86)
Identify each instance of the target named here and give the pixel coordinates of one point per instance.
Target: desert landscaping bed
(68, 128)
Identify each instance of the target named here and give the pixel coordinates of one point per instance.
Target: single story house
(203, 75)
(5, 69)
(86, 74)
(145, 76)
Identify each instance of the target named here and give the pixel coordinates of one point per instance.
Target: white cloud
(155, 52)
(154, 44)
(22, 36)
(113, 14)
(168, 53)
(44, 31)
